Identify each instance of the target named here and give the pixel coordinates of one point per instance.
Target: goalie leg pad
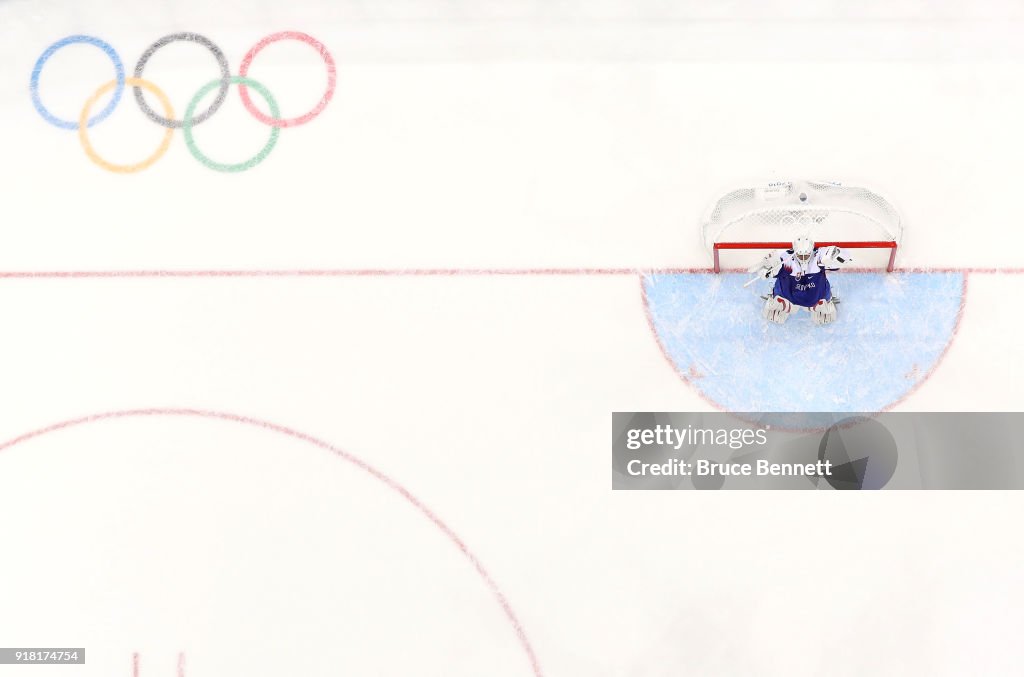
(824, 312)
(777, 309)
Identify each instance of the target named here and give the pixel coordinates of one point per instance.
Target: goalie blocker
(801, 281)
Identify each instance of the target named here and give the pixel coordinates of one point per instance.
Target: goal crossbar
(859, 244)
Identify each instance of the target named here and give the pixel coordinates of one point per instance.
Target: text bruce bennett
(703, 468)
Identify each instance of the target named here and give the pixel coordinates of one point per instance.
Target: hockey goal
(770, 217)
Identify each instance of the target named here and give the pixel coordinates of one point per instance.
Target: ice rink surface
(348, 411)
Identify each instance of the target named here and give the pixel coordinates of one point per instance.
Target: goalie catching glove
(832, 257)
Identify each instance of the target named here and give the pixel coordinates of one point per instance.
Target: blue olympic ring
(50, 51)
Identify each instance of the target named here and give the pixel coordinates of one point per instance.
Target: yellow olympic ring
(83, 125)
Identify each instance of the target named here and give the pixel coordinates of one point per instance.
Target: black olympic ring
(222, 93)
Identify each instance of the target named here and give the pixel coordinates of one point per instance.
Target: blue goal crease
(890, 333)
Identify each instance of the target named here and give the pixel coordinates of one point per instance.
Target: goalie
(801, 281)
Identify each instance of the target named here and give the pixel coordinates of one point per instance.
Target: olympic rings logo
(191, 118)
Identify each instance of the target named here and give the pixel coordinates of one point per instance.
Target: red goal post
(771, 216)
(890, 245)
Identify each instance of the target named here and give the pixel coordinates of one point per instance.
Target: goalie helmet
(803, 248)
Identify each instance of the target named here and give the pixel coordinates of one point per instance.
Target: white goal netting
(765, 217)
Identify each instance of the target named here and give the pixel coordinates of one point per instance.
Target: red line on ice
(340, 272)
(344, 455)
(414, 272)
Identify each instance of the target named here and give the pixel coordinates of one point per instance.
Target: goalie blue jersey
(802, 284)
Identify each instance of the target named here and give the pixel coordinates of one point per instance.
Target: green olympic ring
(187, 125)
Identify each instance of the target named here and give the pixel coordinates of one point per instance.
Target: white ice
(487, 135)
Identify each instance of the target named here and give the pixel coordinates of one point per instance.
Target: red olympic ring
(332, 78)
